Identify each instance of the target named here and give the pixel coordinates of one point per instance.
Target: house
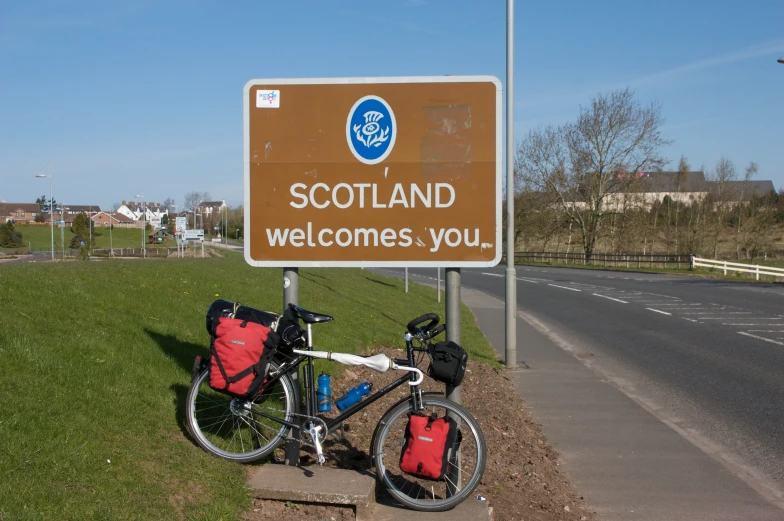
(646, 188)
(114, 219)
(89, 209)
(136, 209)
(209, 207)
(19, 212)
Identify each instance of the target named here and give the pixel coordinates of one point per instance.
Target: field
(39, 238)
(96, 363)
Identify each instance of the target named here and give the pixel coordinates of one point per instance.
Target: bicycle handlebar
(435, 332)
(432, 317)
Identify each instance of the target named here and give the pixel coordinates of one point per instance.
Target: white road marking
(727, 313)
(761, 338)
(690, 319)
(610, 298)
(493, 274)
(767, 330)
(563, 287)
(659, 311)
(731, 324)
(526, 280)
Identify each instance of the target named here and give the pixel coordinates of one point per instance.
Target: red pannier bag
(241, 352)
(429, 446)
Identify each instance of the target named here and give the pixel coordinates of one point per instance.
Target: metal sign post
(452, 296)
(291, 296)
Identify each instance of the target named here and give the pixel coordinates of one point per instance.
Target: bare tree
(750, 172)
(681, 178)
(169, 204)
(588, 164)
(723, 175)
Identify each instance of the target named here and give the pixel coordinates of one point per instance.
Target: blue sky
(146, 96)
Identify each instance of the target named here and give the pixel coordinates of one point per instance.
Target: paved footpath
(629, 464)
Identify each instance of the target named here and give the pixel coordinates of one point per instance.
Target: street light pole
(143, 224)
(510, 351)
(51, 208)
(780, 60)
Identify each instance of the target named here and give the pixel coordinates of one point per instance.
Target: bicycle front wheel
(236, 429)
(464, 470)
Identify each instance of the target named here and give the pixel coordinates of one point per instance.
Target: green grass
(96, 362)
(39, 238)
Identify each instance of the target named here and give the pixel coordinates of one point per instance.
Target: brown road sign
(373, 171)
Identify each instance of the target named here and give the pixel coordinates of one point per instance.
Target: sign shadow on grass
(352, 299)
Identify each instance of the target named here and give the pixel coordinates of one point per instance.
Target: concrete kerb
(330, 486)
(316, 484)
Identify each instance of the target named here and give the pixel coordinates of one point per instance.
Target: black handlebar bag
(447, 362)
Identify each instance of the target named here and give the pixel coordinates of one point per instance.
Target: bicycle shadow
(184, 353)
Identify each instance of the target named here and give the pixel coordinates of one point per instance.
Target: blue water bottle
(324, 393)
(353, 396)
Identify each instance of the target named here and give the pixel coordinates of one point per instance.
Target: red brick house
(114, 218)
(19, 212)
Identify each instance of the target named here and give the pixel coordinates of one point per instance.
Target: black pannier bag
(447, 362)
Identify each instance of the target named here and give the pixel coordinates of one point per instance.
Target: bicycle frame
(311, 404)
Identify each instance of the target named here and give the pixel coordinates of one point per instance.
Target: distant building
(136, 209)
(209, 207)
(115, 219)
(19, 212)
(648, 188)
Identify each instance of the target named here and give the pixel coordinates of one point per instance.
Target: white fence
(756, 269)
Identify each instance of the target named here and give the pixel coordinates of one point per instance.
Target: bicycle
(248, 430)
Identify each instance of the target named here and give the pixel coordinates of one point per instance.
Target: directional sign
(193, 235)
(180, 223)
(373, 171)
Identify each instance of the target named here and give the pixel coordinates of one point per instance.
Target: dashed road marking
(563, 287)
(761, 338)
(610, 298)
(659, 311)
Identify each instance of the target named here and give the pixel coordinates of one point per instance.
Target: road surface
(706, 357)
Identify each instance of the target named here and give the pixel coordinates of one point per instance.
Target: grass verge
(96, 364)
(39, 238)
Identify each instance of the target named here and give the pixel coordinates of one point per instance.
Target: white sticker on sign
(267, 99)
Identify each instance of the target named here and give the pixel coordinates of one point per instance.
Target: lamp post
(144, 225)
(780, 60)
(63, 208)
(51, 208)
(90, 224)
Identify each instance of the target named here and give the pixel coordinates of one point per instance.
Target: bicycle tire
(227, 428)
(389, 444)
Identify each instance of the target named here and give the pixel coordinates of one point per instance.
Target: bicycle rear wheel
(232, 428)
(465, 470)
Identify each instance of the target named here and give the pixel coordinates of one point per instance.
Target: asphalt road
(705, 355)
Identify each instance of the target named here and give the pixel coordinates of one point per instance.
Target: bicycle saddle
(309, 317)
